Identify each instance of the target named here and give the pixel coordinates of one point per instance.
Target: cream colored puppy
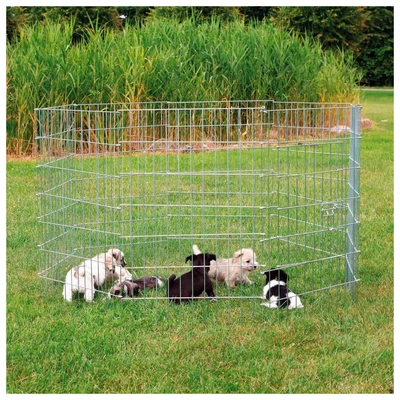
(234, 270)
(93, 273)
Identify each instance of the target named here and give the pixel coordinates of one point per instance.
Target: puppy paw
(269, 305)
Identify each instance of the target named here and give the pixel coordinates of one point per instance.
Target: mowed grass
(330, 346)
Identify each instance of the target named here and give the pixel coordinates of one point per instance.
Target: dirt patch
(13, 157)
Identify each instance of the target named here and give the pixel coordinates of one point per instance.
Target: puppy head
(109, 264)
(277, 274)
(247, 258)
(122, 274)
(118, 256)
(124, 289)
(201, 259)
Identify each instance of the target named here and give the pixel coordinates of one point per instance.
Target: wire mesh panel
(154, 179)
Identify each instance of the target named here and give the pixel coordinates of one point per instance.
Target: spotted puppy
(131, 288)
(276, 292)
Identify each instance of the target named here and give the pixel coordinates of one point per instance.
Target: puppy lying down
(132, 287)
(276, 292)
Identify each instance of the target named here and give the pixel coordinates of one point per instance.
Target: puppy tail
(196, 250)
(160, 283)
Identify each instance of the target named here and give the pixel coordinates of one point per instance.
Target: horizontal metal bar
(82, 171)
(300, 234)
(62, 209)
(45, 192)
(215, 216)
(78, 227)
(203, 173)
(82, 201)
(54, 238)
(67, 256)
(282, 175)
(307, 247)
(284, 266)
(193, 235)
(55, 160)
(190, 206)
(312, 223)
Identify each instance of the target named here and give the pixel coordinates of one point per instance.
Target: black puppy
(201, 259)
(192, 283)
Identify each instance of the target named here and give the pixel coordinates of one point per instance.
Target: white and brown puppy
(92, 274)
(276, 292)
(234, 270)
(130, 288)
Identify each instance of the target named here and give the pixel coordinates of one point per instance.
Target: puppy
(200, 259)
(122, 274)
(277, 293)
(92, 274)
(193, 283)
(124, 289)
(132, 287)
(149, 282)
(234, 270)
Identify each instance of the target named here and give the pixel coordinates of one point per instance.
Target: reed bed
(165, 60)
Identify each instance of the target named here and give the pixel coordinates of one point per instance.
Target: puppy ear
(238, 253)
(284, 276)
(116, 254)
(211, 257)
(189, 258)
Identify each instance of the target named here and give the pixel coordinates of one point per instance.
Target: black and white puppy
(277, 293)
(149, 282)
(124, 289)
(130, 288)
(192, 283)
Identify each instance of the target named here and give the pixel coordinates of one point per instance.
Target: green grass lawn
(112, 347)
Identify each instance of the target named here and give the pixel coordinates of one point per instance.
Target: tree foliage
(375, 50)
(366, 31)
(335, 27)
(84, 17)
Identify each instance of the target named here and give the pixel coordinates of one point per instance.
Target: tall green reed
(165, 60)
